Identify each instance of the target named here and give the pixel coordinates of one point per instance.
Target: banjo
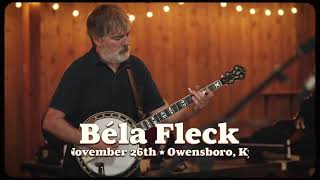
(124, 165)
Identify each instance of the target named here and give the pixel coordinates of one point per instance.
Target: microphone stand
(277, 74)
(305, 48)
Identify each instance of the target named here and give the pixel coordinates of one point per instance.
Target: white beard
(117, 57)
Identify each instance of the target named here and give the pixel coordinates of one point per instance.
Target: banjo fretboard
(175, 107)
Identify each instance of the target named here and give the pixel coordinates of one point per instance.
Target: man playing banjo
(98, 82)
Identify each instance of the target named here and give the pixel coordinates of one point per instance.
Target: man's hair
(107, 19)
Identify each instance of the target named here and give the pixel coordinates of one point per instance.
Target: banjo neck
(151, 121)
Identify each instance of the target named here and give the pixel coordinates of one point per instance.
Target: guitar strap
(151, 134)
(137, 98)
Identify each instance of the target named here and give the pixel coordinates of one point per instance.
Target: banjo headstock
(237, 73)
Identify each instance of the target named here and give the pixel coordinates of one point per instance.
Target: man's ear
(97, 40)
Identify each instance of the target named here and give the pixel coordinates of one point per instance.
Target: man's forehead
(119, 32)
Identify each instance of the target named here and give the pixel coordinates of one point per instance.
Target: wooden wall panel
(13, 115)
(26, 81)
(277, 108)
(192, 44)
(34, 125)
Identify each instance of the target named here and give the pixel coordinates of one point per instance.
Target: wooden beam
(31, 80)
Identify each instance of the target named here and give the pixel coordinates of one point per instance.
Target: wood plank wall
(13, 94)
(192, 44)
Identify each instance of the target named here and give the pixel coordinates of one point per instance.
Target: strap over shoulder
(137, 98)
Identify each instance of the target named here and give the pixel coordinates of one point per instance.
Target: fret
(175, 108)
(154, 120)
(178, 105)
(188, 99)
(212, 87)
(140, 125)
(167, 112)
(147, 123)
(183, 103)
(144, 124)
(158, 116)
(170, 110)
(150, 123)
(217, 84)
(163, 115)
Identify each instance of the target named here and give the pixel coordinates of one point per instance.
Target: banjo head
(106, 164)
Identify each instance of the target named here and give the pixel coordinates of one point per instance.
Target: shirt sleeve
(151, 95)
(67, 93)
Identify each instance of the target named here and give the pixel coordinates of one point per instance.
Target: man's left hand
(200, 98)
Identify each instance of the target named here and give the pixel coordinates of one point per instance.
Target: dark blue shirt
(89, 86)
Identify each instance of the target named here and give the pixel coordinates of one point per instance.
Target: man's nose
(125, 40)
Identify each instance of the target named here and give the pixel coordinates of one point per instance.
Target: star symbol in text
(161, 152)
